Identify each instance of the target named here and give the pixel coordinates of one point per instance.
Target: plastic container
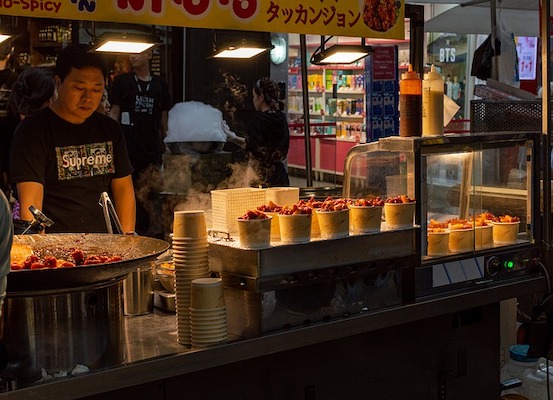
(525, 368)
(410, 104)
(432, 104)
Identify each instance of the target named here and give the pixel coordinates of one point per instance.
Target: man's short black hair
(77, 56)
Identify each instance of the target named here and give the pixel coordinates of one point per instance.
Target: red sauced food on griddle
(75, 258)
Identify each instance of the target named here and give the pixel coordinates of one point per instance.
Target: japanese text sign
(358, 18)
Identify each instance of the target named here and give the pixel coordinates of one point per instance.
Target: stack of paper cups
(208, 314)
(191, 262)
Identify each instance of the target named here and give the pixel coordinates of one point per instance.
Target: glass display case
(477, 200)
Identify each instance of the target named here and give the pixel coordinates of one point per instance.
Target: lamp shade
(341, 54)
(242, 49)
(124, 43)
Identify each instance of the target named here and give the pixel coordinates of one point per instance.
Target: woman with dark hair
(268, 138)
(34, 89)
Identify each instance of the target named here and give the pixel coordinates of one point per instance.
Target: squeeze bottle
(410, 103)
(432, 104)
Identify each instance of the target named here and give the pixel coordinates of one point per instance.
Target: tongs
(39, 222)
(110, 214)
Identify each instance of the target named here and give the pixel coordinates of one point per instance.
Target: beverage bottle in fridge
(410, 104)
(432, 104)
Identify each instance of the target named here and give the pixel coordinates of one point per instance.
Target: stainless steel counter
(154, 354)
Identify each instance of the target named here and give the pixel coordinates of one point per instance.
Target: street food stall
(365, 314)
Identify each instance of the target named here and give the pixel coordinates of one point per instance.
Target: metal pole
(493, 14)
(307, 127)
(545, 28)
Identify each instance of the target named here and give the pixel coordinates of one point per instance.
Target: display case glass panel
(473, 192)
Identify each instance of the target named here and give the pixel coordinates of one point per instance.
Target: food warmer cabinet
(458, 178)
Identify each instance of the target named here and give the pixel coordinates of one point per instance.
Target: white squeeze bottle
(432, 104)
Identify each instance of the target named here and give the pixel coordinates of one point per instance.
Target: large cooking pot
(134, 250)
(199, 147)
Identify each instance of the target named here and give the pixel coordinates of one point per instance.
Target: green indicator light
(509, 264)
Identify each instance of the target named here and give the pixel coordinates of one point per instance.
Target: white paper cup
(461, 240)
(365, 219)
(254, 233)
(189, 224)
(295, 228)
(283, 195)
(505, 233)
(399, 215)
(483, 237)
(275, 226)
(207, 294)
(438, 243)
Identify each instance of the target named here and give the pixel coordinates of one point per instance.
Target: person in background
(8, 119)
(34, 89)
(6, 238)
(66, 155)
(268, 138)
(104, 107)
(140, 102)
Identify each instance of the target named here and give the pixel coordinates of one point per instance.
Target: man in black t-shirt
(140, 102)
(64, 156)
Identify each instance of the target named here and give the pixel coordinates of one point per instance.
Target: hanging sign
(358, 18)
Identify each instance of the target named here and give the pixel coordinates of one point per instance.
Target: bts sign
(447, 54)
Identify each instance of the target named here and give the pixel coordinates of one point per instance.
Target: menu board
(382, 91)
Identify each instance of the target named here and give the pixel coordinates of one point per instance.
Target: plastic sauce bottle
(410, 104)
(432, 104)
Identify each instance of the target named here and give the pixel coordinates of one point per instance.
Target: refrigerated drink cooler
(458, 181)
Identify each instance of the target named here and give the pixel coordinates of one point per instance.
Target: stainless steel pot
(58, 331)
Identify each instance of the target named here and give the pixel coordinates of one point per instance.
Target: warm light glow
(344, 57)
(4, 38)
(240, 52)
(120, 46)
(341, 54)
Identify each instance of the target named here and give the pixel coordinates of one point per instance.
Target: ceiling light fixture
(243, 49)
(4, 37)
(126, 43)
(339, 53)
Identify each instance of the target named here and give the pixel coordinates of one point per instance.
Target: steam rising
(193, 121)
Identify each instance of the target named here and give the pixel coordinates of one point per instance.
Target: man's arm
(30, 194)
(163, 124)
(123, 198)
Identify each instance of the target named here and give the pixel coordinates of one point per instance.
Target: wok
(200, 147)
(134, 250)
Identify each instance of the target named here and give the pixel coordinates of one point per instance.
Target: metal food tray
(227, 256)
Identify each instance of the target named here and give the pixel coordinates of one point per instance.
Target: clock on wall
(279, 51)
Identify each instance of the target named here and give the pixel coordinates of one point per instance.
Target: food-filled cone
(275, 226)
(505, 233)
(461, 240)
(189, 224)
(295, 228)
(399, 215)
(438, 243)
(333, 224)
(483, 237)
(315, 230)
(254, 233)
(365, 219)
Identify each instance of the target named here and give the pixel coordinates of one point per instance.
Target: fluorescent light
(3, 37)
(242, 50)
(121, 46)
(341, 54)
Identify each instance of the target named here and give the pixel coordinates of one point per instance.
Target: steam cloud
(193, 121)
